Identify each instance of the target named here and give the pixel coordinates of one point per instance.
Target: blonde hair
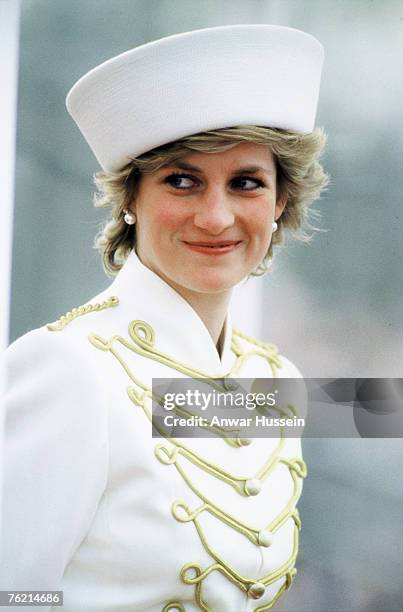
(300, 179)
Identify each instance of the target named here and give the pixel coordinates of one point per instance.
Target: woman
(94, 505)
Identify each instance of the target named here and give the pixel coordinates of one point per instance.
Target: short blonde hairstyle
(300, 180)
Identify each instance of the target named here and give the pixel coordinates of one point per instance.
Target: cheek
(258, 221)
(169, 217)
(158, 217)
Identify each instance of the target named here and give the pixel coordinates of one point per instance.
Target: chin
(211, 283)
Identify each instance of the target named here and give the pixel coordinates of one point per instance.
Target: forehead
(245, 155)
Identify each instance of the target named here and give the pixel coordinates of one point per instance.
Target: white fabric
(195, 81)
(87, 503)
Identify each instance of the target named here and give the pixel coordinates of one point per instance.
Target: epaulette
(61, 323)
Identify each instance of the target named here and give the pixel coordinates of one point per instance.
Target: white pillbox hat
(194, 82)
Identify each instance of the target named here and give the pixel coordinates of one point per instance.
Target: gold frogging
(143, 342)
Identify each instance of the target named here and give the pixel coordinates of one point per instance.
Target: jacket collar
(179, 331)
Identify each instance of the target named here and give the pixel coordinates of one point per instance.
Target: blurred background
(334, 307)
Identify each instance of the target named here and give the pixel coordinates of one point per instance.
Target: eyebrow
(182, 165)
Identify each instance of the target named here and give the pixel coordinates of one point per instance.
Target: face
(205, 223)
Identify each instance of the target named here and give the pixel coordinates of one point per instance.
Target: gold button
(256, 590)
(253, 486)
(265, 538)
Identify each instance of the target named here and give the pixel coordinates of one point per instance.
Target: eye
(246, 183)
(180, 181)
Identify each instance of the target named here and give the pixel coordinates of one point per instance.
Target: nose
(214, 212)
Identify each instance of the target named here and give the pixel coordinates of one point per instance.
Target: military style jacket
(119, 520)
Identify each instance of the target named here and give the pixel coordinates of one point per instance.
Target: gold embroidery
(175, 606)
(81, 310)
(289, 577)
(243, 583)
(143, 344)
(182, 513)
(143, 337)
(237, 482)
(268, 351)
(297, 469)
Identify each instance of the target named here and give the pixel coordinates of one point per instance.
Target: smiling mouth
(213, 248)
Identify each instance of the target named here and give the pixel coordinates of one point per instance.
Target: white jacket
(121, 521)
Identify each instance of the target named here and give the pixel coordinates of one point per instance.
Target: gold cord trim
(61, 323)
(289, 577)
(252, 533)
(143, 337)
(235, 481)
(143, 344)
(167, 457)
(268, 351)
(243, 583)
(175, 606)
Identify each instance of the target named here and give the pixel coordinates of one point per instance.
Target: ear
(280, 205)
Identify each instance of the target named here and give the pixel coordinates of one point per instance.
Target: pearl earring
(130, 218)
(274, 226)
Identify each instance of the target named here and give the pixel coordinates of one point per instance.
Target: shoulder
(97, 304)
(64, 340)
(54, 376)
(42, 351)
(58, 359)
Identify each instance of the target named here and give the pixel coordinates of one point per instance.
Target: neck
(212, 310)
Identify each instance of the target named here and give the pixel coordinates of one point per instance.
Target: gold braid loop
(244, 584)
(142, 333)
(175, 606)
(267, 351)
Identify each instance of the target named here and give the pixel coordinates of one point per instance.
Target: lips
(217, 247)
(214, 245)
